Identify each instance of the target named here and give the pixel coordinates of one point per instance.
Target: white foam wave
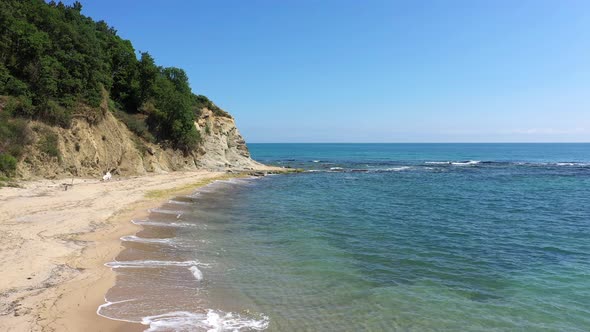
(162, 223)
(335, 168)
(465, 163)
(193, 266)
(108, 304)
(316, 161)
(196, 273)
(397, 169)
(567, 164)
(213, 321)
(438, 162)
(456, 163)
(173, 201)
(572, 164)
(152, 264)
(134, 238)
(163, 211)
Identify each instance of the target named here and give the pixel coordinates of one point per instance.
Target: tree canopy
(56, 63)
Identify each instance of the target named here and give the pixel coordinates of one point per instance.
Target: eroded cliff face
(91, 150)
(222, 147)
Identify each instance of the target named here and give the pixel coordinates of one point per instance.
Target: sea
(370, 237)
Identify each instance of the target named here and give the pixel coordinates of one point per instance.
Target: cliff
(90, 150)
(76, 99)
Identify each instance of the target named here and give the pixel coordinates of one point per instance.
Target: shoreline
(66, 237)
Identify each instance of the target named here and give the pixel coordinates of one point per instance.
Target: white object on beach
(107, 176)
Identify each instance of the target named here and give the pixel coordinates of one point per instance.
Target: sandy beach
(54, 243)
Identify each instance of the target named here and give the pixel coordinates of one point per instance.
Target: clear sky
(376, 71)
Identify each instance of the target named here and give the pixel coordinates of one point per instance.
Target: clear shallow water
(376, 237)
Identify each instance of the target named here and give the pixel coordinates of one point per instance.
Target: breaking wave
(152, 264)
(163, 223)
(135, 238)
(178, 202)
(212, 321)
(196, 272)
(177, 213)
(465, 163)
(193, 266)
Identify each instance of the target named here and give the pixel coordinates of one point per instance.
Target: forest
(57, 64)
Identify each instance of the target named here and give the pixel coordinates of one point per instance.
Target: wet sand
(54, 243)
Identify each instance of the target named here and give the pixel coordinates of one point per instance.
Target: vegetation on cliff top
(57, 64)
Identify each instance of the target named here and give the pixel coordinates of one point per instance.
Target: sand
(54, 243)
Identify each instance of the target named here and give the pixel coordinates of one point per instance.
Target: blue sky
(376, 71)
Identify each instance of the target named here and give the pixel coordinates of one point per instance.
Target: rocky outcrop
(222, 145)
(87, 149)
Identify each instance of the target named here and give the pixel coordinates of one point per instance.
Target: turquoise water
(386, 237)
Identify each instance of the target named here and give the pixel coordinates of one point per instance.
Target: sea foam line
(173, 201)
(396, 169)
(196, 272)
(108, 304)
(163, 211)
(212, 321)
(193, 266)
(152, 263)
(454, 163)
(163, 224)
(466, 163)
(135, 238)
(438, 162)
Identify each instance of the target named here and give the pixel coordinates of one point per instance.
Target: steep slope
(223, 146)
(76, 99)
(87, 149)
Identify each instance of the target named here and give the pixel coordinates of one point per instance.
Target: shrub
(48, 144)
(137, 125)
(19, 106)
(15, 134)
(93, 115)
(14, 86)
(200, 102)
(7, 164)
(54, 114)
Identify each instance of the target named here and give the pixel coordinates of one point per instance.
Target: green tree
(56, 62)
(148, 72)
(173, 119)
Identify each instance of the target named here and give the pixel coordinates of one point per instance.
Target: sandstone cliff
(87, 149)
